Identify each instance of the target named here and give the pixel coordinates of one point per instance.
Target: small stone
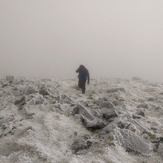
(80, 144)
(112, 90)
(135, 116)
(20, 101)
(140, 113)
(29, 90)
(143, 105)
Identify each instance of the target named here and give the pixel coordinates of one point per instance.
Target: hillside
(47, 120)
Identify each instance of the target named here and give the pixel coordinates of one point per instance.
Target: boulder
(107, 104)
(93, 124)
(107, 129)
(111, 126)
(132, 142)
(79, 109)
(104, 103)
(45, 90)
(108, 113)
(87, 118)
(135, 125)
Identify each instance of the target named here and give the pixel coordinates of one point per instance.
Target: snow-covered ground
(46, 120)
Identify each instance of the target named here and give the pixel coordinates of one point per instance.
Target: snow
(45, 132)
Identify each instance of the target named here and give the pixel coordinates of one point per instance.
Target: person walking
(83, 76)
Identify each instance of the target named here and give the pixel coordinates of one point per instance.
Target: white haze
(112, 38)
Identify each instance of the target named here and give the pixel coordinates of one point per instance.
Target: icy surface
(45, 120)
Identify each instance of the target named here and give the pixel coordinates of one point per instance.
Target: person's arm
(77, 70)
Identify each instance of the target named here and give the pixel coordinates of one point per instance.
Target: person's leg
(80, 84)
(83, 86)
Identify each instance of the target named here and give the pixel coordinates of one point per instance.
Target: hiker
(83, 76)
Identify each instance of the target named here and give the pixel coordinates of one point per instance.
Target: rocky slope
(45, 120)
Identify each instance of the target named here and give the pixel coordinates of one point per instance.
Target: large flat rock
(132, 142)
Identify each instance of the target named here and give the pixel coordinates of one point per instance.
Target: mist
(112, 38)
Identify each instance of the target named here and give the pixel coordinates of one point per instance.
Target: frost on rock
(132, 142)
(80, 144)
(160, 149)
(108, 113)
(87, 118)
(121, 120)
(30, 90)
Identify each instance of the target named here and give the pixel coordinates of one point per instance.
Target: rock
(135, 116)
(10, 78)
(29, 90)
(135, 125)
(160, 149)
(79, 109)
(87, 118)
(151, 99)
(44, 90)
(161, 139)
(140, 113)
(96, 113)
(66, 99)
(106, 130)
(80, 144)
(112, 90)
(143, 105)
(104, 103)
(93, 124)
(107, 104)
(37, 99)
(109, 128)
(17, 93)
(20, 101)
(108, 113)
(132, 142)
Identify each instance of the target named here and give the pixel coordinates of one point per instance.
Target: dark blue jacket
(83, 74)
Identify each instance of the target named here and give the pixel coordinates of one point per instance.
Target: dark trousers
(81, 85)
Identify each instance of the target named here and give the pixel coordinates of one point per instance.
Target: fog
(112, 38)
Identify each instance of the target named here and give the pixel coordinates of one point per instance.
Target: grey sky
(112, 38)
